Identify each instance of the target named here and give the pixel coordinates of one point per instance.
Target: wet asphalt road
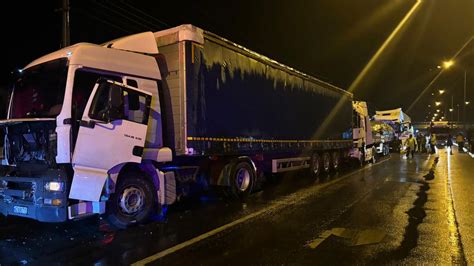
(396, 211)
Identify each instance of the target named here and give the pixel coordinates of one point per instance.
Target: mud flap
(167, 192)
(170, 188)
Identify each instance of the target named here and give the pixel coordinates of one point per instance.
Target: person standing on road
(460, 142)
(469, 141)
(419, 140)
(449, 144)
(411, 146)
(423, 144)
(433, 143)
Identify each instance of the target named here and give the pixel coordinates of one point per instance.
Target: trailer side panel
(232, 96)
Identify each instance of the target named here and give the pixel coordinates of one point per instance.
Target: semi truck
(365, 149)
(442, 130)
(400, 122)
(383, 134)
(130, 126)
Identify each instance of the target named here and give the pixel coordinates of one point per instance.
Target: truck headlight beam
(54, 186)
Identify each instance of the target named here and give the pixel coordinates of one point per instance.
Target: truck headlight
(54, 186)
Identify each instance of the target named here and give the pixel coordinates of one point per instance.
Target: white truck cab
(68, 110)
(364, 150)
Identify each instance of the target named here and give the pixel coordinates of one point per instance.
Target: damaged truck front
(32, 184)
(73, 127)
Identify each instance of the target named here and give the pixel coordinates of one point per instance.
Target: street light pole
(459, 121)
(66, 32)
(452, 107)
(465, 100)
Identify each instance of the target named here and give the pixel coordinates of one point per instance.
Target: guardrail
(455, 125)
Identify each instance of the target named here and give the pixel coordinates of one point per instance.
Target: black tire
(242, 180)
(138, 205)
(335, 160)
(359, 162)
(374, 156)
(326, 162)
(315, 165)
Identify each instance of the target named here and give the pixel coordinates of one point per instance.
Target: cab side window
(136, 106)
(100, 107)
(115, 102)
(84, 82)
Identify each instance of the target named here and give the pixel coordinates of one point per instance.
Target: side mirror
(115, 111)
(133, 102)
(115, 96)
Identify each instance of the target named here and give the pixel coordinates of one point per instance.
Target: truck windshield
(440, 130)
(39, 91)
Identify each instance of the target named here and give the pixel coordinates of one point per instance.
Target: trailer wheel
(359, 161)
(326, 162)
(242, 179)
(336, 160)
(315, 166)
(133, 202)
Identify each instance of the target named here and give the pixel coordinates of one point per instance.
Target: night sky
(330, 39)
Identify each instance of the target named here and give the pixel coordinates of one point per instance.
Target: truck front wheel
(374, 155)
(242, 179)
(132, 203)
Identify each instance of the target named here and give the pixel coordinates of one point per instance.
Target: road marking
(457, 249)
(465, 150)
(292, 199)
(355, 237)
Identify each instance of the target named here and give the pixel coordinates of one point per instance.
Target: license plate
(20, 210)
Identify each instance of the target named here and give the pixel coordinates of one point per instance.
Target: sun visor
(141, 43)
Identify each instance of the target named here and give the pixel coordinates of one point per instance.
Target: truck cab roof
(107, 57)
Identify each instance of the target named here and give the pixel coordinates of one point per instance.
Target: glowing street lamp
(437, 110)
(450, 109)
(448, 64)
(438, 103)
(467, 102)
(441, 92)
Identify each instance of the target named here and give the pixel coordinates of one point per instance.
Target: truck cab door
(112, 131)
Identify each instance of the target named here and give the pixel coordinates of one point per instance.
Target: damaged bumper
(27, 197)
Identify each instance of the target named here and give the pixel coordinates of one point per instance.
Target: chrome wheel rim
(335, 161)
(243, 179)
(327, 162)
(132, 200)
(315, 165)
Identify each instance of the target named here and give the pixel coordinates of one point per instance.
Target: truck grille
(11, 190)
